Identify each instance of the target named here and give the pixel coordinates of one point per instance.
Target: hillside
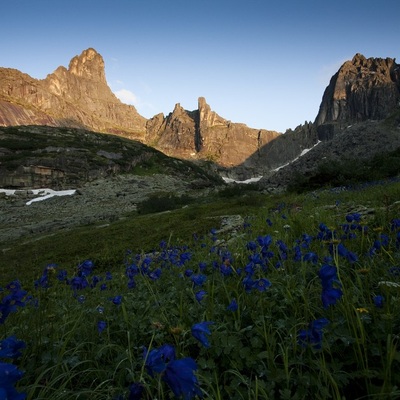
(111, 176)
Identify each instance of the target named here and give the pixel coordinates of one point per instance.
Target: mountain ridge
(78, 97)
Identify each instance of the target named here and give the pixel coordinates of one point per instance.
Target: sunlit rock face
(362, 89)
(79, 97)
(76, 97)
(203, 134)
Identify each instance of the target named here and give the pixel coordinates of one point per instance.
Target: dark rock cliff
(362, 89)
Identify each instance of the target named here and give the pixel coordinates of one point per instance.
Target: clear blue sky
(262, 63)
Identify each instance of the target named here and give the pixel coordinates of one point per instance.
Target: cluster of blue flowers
(9, 373)
(10, 302)
(263, 254)
(177, 373)
(331, 286)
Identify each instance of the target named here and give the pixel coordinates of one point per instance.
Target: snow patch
(43, 194)
(305, 151)
(251, 180)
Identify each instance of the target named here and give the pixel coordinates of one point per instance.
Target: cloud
(126, 96)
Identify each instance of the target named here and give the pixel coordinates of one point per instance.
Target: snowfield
(43, 194)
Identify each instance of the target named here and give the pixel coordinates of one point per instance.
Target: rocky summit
(363, 89)
(77, 97)
(203, 134)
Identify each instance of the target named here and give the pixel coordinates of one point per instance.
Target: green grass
(24, 259)
(255, 352)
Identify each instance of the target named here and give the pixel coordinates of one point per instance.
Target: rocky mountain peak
(77, 97)
(362, 89)
(89, 65)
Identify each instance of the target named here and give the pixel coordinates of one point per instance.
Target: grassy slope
(107, 245)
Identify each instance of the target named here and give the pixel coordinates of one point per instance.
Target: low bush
(159, 202)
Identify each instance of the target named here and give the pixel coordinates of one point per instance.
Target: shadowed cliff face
(362, 89)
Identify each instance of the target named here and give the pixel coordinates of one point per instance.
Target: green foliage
(349, 172)
(159, 202)
(255, 350)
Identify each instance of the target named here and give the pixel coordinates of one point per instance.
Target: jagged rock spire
(89, 65)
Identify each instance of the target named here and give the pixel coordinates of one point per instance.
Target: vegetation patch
(349, 172)
(299, 302)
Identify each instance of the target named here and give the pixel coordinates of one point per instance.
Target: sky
(265, 63)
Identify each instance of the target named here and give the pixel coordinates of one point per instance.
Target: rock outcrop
(63, 158)
(79, 97)
(360, 142)
(75, 97)
(362, 89)
(204, 135)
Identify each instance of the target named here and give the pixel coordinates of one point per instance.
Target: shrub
(159, 202)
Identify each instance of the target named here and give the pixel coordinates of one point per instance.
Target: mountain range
(363, 92)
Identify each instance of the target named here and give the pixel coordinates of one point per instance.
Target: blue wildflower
(330, 282)
(117, 300)
(307, 239)
(297, 253)
(200, 332)
(250, 268)
(261, 284)
(62, 275)
(95, 280)
(282, 249)
(248, 283)
(198, 279)
(135, 391)
(233, 306)
(10, 302)
(344, 252)
(100, 309)
(325, 233)
(81, 299)
(179, 376)
(353, 217)
(311, 256)
(202, 266)
(200, 295)
(108, 276)
(156, 359)
(154, 275)
(378, 301)
(43, 281)
(9, 375)
(85, 268)
(101, 325)
(330, 296)
(252, 246)
(78, 283)
(264, 241)
(313, 335)
(394, 224)
(10, 347)
(226, 269)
